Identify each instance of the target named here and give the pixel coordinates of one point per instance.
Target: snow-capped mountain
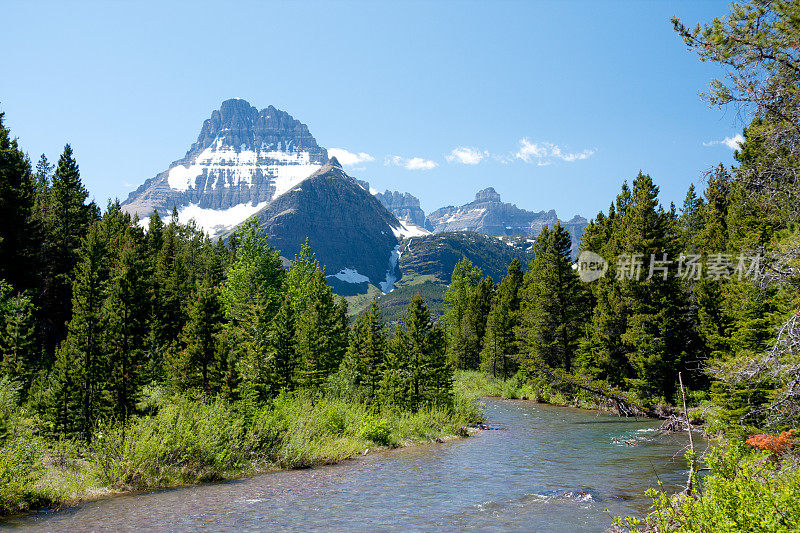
(489, 215)
(248, 162)
(243, 159)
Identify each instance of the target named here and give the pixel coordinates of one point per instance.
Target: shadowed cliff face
(242, 160)
(351, 232)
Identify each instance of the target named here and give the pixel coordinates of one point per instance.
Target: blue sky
(552, 103)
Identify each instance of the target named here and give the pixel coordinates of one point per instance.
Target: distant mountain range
(248, 162)
(487, 214)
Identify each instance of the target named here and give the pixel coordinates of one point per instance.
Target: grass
(187, 442)
(477, 384)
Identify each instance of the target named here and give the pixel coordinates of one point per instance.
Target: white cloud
(349, 158)
(411, 163)
(546, 153)
(466, 155)
(731, 142)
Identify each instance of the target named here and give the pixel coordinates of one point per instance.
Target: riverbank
(189, 442)
(542, 390)
(529, 473)
(482, 384)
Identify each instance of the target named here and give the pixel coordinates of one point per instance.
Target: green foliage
(366, 354)
(321, 324)
(77, 400)
(418, 372)
(255, 275)
(184, 442)
(435, 256)
(745, 491)
(133, 359)
(17, 339)
(18, 227)
(125, 312)
(467, 303)
(199, 365)
(68, 220)
(19, 468)
(283, 349)
(551, 304)
(377, 430)
(499, 341)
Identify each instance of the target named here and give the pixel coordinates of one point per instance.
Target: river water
(545, 469)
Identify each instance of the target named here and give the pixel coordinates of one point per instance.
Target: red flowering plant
(772, 443)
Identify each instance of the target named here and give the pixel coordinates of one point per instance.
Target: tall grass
(187, 441)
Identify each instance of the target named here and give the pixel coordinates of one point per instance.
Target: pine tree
(251, 294)
(462, 323)
(499, 343)
(418, 372)
(367, 351)
(321, 323)
(42, 177)
(282, 344)
(254, 350)
(299, 278)
(256, 273)
(691, 221)
(172, 290)
(82, 361)
(18, 351)
(62, 407)
(69, 220)
(321, 342)
(552, 306)
(713, 237)
(199, 365)
(126, 311)
(18, 248)
(601, 353)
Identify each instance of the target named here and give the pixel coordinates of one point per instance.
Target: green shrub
(18, 473)
(747, 491)
(378, 431)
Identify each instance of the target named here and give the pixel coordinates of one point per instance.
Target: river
(545, 469)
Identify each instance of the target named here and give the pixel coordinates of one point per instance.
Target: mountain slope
(433, 257)
(351, 232)
(427, 263)
(243, 159)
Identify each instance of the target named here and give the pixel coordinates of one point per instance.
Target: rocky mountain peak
(405, 207)
(352, 234)
(489, 215)
(487, 195)
(239, 125)
(243, 159)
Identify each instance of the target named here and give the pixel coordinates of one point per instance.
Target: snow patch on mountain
(350, 275)
(217, 221)
(407, 229)
(387, 285)
(238, 167)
